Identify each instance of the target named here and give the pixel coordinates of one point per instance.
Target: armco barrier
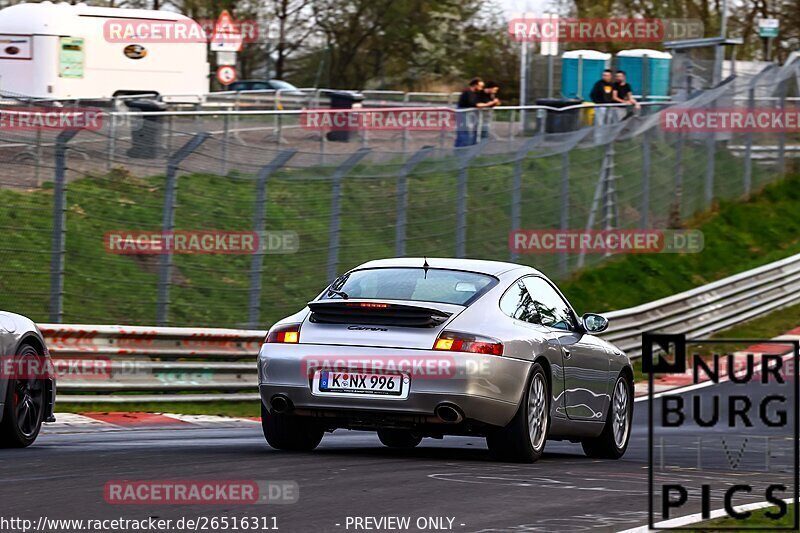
(709, 308)
(146, 364)
(96, 363)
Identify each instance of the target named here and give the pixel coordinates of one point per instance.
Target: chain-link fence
(344, 199)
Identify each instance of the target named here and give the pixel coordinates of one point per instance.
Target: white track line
(210, 420)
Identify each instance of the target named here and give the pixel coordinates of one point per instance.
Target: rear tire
(399, 438)
(524, 438)
(613, 441)
(290, 433)
(24, 408)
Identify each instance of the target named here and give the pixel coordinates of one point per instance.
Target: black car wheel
(24, 407)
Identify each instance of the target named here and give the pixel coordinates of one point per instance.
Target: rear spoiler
(378, 313)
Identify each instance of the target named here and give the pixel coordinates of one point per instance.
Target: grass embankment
(738, 236)
(752, 523)
(212, 290)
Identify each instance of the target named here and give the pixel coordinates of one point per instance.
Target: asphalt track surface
(352, 475)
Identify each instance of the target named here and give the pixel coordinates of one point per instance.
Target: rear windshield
(414, 284)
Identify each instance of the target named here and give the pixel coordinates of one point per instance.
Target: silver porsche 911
(27, 382)
(424, 347)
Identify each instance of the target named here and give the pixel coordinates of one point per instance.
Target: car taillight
(452, 341)
(289, 333)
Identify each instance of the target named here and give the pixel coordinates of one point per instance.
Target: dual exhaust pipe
(446, 412)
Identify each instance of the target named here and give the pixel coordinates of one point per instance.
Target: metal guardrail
(709, 308)
(149, 364)
(167, 364)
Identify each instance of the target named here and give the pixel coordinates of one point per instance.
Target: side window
(517, 303)
(553, 311)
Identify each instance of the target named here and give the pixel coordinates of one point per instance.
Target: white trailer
(63, 51)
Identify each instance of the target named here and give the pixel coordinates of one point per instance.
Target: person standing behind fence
(487, 98)
(603, 93)
(466, 122)
(623, 94)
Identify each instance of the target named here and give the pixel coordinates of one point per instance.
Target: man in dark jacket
(487, 98)
(603, 93)
(467, 122)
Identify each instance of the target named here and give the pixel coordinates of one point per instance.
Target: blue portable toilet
(649, 79)
(580, 69)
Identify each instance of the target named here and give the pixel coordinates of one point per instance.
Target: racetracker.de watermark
(26, 367)
(548, 241)
(417, 367)
(200, 492)
(387, 119)
(582, 30)
(730, 120)
(135, 31)
(47, 118)
(42, 367)
(136, 242)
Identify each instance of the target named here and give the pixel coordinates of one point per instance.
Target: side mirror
(594, 323)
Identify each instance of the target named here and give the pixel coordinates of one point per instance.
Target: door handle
(567, 354)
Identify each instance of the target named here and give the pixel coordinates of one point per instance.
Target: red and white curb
(119, 421)
(674, 381)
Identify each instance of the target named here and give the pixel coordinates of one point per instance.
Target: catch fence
(343, 199)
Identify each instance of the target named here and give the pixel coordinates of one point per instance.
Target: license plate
(359, 384)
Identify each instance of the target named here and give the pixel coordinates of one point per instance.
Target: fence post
(38, 153)
(112, 137)
(402, 198)
(644, 215)
(711, 154)
(171, 127)
(225, 133)
(748, 148)
(516, 187)
(467, 155)
(678, 196)
(336, 209)
(782, 133)
(406, 100)
(278, 119)
(58, 249)
(257, 263)
(168, 222)
(563, 259)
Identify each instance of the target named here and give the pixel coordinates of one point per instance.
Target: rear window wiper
(336, 288)
(338, 293)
